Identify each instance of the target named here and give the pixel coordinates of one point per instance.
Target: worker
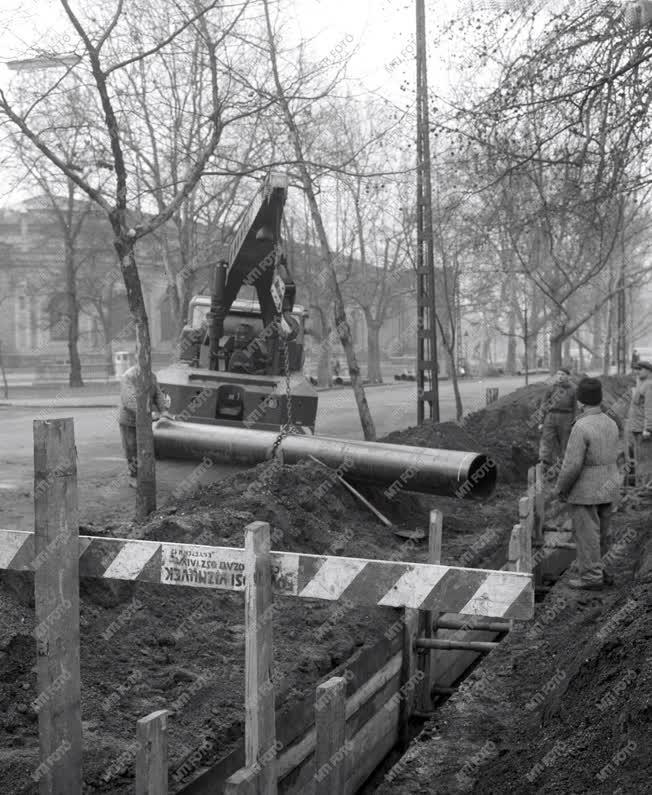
(640, 422)
(249, 355)
(557, 412)
(127, 417)
(589, 481)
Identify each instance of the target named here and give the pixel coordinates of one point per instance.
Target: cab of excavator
(195, 342)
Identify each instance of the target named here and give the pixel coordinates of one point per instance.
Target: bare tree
(106, 53)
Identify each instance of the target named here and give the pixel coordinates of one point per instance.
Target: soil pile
(564, 704)
(147, 647)
(506, 430)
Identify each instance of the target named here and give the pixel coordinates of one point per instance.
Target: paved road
(101, 468)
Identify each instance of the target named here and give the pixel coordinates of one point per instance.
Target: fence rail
(371, 715)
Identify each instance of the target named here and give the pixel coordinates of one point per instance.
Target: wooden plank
(152, 755)
(56, 583)
(331, 747)
(260, 727)
(526, 522)
(300, 780)
(371, 744)
(381, 583)
(409, 674)
(425, 661)
(453, 665)
(294, 723)
(296, 754)
(540, 503)
(243, 782)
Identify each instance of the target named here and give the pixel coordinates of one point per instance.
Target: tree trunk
(341, 323)
(72, 311)
(146, 489)
(5, 385)
(459, 408)
(324, 377)
(374, 375)
(567, 361)
(556, 342)
(510, 364)
(597, 360)
(606, 365)
(105, 320)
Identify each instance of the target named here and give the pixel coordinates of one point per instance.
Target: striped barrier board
(497, 594)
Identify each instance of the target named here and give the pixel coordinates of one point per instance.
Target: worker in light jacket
(557, 412)
(158, 402)
(589, 481)
(640, 422)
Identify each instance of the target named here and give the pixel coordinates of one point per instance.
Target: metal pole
(525, 340)
(425, 248)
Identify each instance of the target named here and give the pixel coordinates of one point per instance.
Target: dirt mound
(563, 705)
(506, 430)
(146, 647)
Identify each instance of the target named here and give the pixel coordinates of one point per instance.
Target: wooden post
(491, 395)
(152, 755)
(260, 727)
(330, 747)
(540, 500)
(408, 672)
(526, 521)
(425, 661)
(514, 551)
(56, 583)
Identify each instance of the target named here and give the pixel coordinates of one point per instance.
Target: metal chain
(288, 428)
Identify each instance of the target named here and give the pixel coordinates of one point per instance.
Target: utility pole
(427, 367)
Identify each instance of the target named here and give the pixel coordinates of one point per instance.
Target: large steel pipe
(393, 467)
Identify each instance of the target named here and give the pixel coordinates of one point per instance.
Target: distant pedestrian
(336, 368)
(640, 422)
(127, 417)
(557, 410)
(589, 481)
(636, 358)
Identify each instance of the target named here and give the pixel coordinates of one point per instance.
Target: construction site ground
(149, 647)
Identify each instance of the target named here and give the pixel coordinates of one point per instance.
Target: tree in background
(112, 43)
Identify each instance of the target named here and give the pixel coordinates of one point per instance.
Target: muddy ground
(564, 705)
(184, 650)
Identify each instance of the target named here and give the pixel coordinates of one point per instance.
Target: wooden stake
(56, 582)
(330, 747)
(426, 662)
(152, 756)
(526, 520)
(408, 672)
(356, 494)
(260, 728)
(540, 501)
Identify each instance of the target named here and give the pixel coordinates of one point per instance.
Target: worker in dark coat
(249, 354)
(557, 410)
(640, 422)
(589, 481)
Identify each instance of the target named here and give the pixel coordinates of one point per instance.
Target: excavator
(238, 392)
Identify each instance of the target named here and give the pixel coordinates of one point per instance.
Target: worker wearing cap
(640, 422)
(557, 410)
(127, 417)
(589, 481)
(249, 355)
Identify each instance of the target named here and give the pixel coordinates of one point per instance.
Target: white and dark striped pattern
(498, 594)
